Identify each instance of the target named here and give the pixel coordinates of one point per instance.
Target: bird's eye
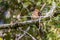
(39, 13)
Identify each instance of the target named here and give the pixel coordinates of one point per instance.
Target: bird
(36, 14)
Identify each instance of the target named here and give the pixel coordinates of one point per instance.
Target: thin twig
(50, 13)
(23, 34)
(28, 34)
(42, 6)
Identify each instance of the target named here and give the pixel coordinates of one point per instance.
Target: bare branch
(22, 34)
(50, 13)
(25, 32)
(21, 23)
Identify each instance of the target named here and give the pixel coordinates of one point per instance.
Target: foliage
(25, 8)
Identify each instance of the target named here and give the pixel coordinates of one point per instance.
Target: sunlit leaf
(1, 38)
(18, 1)
(26, 4)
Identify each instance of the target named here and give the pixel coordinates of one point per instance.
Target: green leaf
(26, 4)
(38, 3)
(19, 1)
(0, 0)
(49, 1)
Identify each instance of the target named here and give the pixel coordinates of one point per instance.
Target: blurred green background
(10, 9)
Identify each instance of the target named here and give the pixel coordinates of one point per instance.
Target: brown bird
(36, 14)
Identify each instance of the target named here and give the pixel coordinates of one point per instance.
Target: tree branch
(48, 14)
